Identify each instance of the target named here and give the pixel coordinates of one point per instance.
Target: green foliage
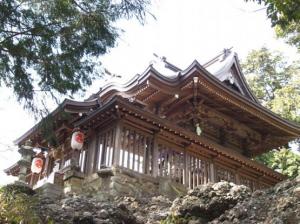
(48, 127)
(52, 46)
(281, 12)
(172, 219)
(287, 100)
(17, 203)
(283, 161)
(276, 84)
(274, 81)
(285, 17)
(291, 33)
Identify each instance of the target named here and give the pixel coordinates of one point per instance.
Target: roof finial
(167, 64)
(226, 52)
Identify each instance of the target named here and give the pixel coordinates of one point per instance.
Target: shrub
(17, 204)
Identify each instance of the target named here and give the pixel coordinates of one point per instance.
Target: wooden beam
(117, 143)
(155, 155)
(212, 168)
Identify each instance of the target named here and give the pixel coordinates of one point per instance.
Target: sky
(182, 31)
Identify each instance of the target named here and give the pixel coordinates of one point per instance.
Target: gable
(226, 68)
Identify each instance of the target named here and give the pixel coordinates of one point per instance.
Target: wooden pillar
(94, 153)
(129, 148)
(237, 177)
(145, 150)
(205, 172)
(155, 156)
(104, 149)
(91, 164)
(185, 171)
(212, 177)
(134, 152)
(117, 143)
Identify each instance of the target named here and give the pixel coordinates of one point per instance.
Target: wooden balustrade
(105, 149)
(135, 151)
(223, 174)
(146, 153)
(198, 171)
(170, 163)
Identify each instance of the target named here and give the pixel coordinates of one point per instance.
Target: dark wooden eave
(13, 170)
(67, 105)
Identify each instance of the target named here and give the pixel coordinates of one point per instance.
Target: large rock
(209, 201)
(84, 210)
(217, 203)
(277, 205)
(148, 210)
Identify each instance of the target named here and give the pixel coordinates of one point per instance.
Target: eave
(255, 109)
(210, 83)
(13, 170)
(67, 105)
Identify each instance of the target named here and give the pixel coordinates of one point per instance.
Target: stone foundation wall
(116, 181)
(50, 190)
(109, 183)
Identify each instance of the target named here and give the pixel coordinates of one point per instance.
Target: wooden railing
(135, 151)
(148, 154)
(105, 148)
(170, 163)
(198, 171)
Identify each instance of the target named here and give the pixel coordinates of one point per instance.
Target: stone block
(50, 190)
(171, 189)
(73, 181)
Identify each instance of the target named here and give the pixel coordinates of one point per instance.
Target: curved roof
(67, 105)
(211, 78)
(144, 87)
(224, 66)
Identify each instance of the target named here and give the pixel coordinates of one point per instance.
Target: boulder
(209, 201)
(279, 204)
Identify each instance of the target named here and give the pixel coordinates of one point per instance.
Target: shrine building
(165, 127)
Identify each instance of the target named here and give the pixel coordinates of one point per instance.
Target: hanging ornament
(37, 165)
(198, 129)
(77, 140)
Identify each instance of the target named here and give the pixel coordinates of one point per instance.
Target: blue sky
(183, 30)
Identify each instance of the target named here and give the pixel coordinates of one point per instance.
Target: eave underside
(72, 108)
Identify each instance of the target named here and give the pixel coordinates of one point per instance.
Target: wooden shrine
(191, 126)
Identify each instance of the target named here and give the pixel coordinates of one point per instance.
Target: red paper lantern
(37, 165)
(77, 140)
